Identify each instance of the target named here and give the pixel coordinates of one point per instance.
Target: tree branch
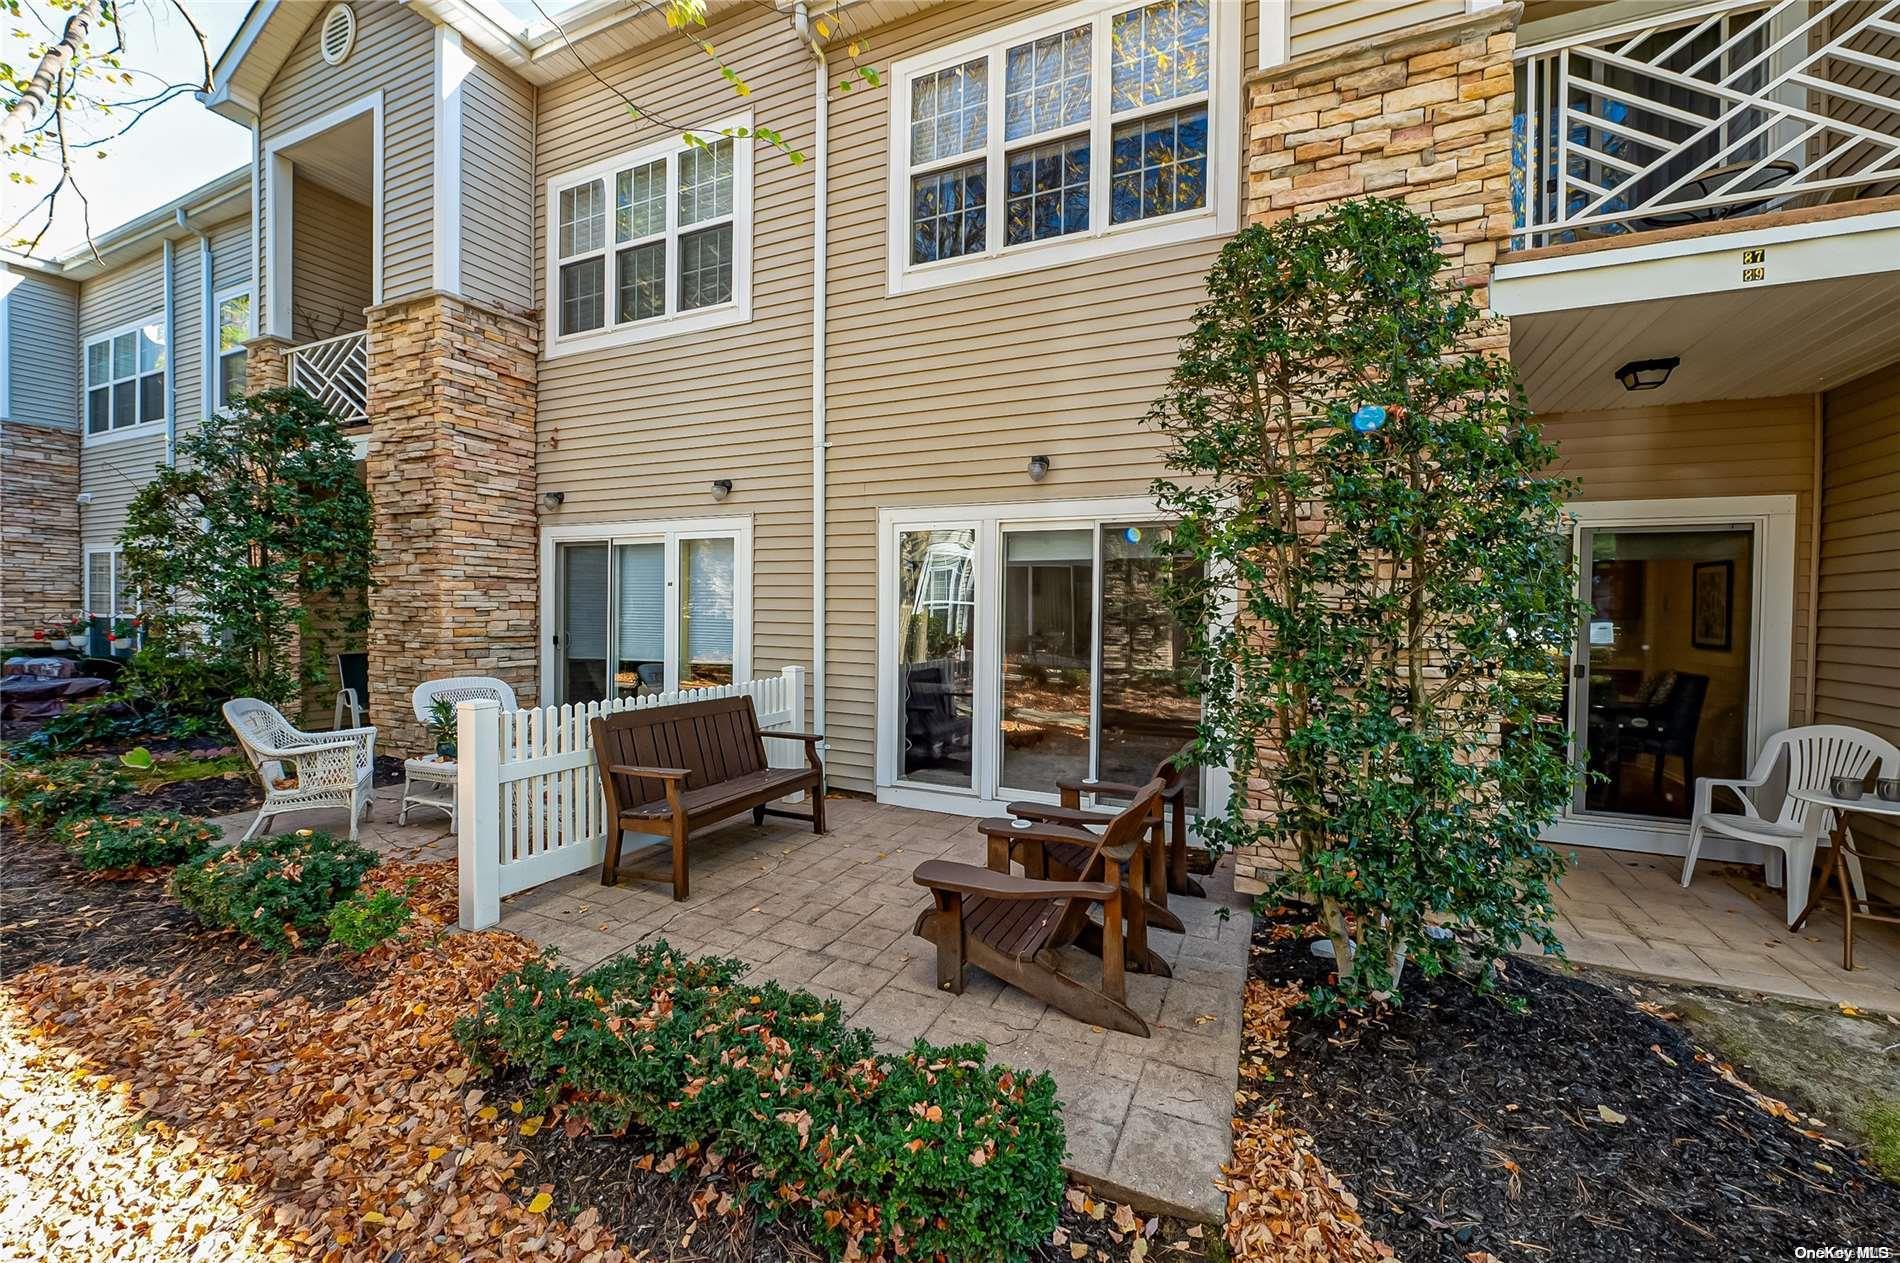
(46, 75)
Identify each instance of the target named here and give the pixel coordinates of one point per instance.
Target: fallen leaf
(1608, 1115)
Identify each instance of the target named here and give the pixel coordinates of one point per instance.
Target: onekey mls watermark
(1845, 1253)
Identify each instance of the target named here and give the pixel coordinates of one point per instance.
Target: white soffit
(1746, 344)
(1743, 261)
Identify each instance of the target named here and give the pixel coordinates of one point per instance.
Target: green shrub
(275, 890)
(39, 794)
(932, 1151)
(142, 841)
(362, 921)
(184, 682)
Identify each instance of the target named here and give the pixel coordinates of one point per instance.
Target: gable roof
(264, 40)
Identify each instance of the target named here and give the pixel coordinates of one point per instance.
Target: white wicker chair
(453, 690)
(322, 769)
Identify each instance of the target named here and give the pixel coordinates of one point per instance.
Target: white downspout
(207, 334)
(801, 18)
(171, 354)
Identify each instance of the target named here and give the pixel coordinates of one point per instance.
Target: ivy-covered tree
(1385, 591)
(262, 512)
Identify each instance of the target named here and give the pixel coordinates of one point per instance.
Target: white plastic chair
(1814, 756)
(322, 769)
(453, 690)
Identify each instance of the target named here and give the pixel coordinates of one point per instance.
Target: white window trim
(737, 528)
(1771, 667)
(115, 552)
(214, 358)
(1221, 216)
(737, 311)
(121, 433)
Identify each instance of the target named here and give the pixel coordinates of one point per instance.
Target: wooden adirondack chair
(1167, 833)
(1012, 926)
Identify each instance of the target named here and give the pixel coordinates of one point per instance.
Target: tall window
(651, 243)
(125, 378)
(1060, 130)
(234, 329)
(105, 584)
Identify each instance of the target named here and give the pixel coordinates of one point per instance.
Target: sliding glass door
(1662, 682)
(650, 613)
(1025, 653)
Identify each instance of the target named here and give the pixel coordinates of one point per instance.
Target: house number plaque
(1754, 264)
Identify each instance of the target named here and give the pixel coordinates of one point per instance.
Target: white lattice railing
(336, 372)
(529, 807)
(1720, 111)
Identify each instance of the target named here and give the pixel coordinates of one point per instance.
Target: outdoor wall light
(1038, 468)
(722, 488)
(1646, 374)
(551, 500)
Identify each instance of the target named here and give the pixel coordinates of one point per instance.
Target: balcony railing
(336, 372)
(1720, 112)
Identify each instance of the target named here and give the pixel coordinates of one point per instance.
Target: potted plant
(123, 636)
(442, 727)
(77, 626)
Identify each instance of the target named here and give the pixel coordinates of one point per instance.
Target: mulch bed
(1583, 1129)
(54, 912)
(313, 1105)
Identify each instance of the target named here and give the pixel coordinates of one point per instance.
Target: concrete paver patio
(1628, 911)
(1149, 1119)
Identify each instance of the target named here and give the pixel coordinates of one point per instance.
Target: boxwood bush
(41, 794)
(362, 922)
(932, 1153)
(276, 890)
(150, 839)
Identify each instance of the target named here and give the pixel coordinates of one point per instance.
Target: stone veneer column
(451, 471)
(1422, 115)
(40, 562)
(266, 362)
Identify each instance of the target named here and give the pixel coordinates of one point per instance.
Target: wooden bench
(668, 770)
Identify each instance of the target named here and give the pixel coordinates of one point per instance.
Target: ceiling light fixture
(1646, 374)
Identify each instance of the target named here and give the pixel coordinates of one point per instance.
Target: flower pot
(445, 749)
(76, 642)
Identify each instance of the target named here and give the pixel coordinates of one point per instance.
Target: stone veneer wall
(1422, 115)
(451, 471)
(40, 566)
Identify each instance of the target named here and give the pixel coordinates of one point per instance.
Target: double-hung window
(125, 379)
(1102, 125)
(234, 329)
(651, 243)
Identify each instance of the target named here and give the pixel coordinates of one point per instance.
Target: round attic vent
(339, 34)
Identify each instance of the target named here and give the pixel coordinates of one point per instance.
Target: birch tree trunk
(53, 63)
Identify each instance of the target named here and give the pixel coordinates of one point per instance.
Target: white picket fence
(528, 800)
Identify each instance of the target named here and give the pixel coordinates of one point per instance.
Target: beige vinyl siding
(114, 471)
(331, 281)
(942, 396)
(1745, 447)
(1857, 669)
(395, 52)
(42, 350)
(497, 186)
(1316, 25)
(231, 254)
(640, 432)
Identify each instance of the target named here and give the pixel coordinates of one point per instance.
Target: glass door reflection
(1145, 712)
(936, 655)
(1048, 657)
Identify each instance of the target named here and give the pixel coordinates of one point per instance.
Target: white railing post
(478, 812)
(795, 691)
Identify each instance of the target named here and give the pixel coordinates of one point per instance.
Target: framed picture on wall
(1711, 623)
